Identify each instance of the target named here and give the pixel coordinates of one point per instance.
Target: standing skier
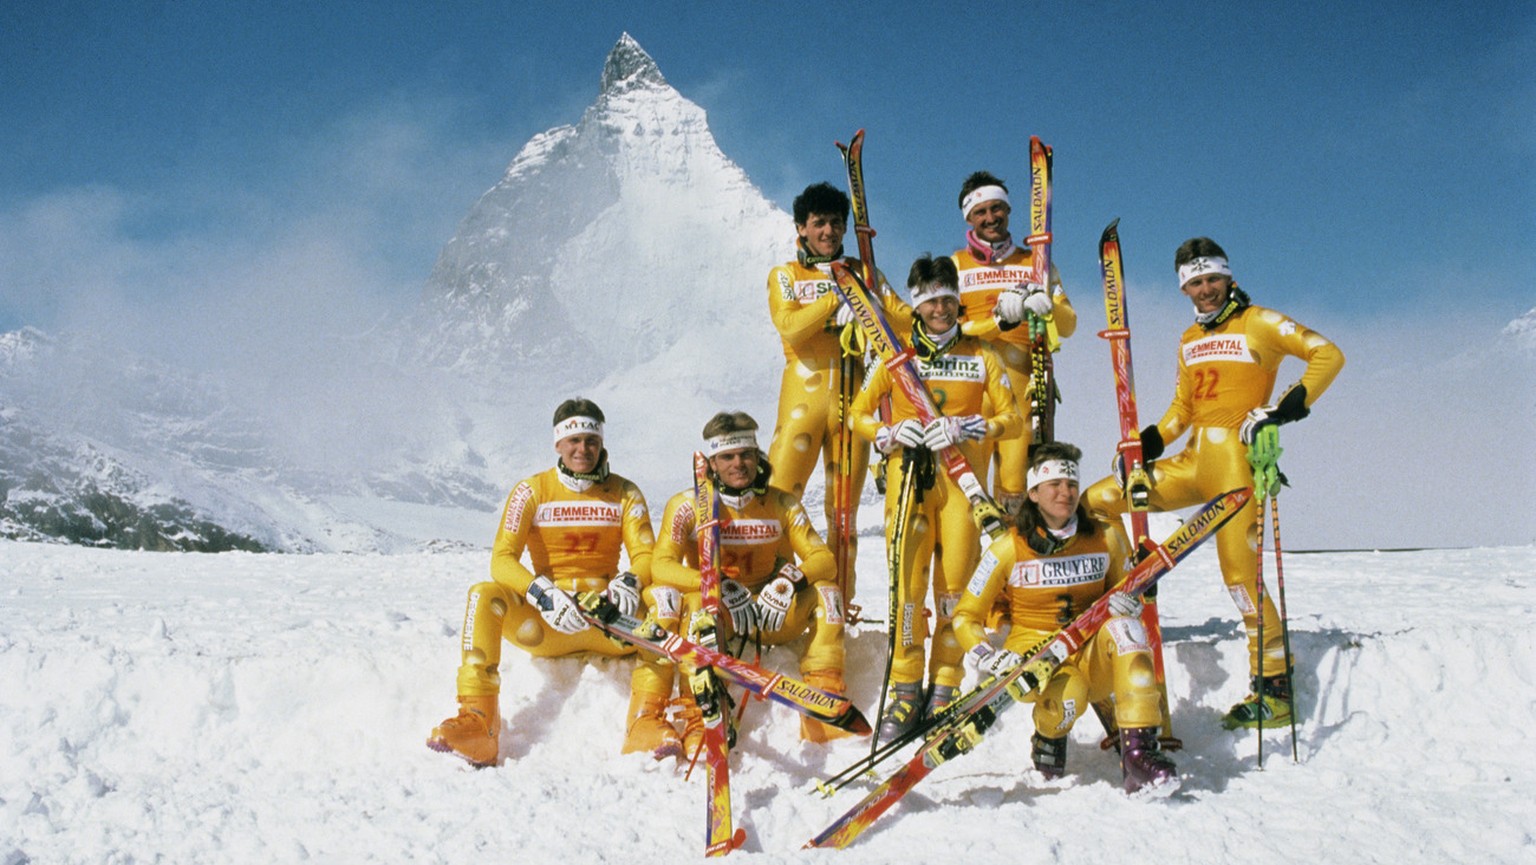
(819, 349)
(572, 520)
(999, 301)
(1058, 561)
(765, 595)
(970, 386)
(1228, 362)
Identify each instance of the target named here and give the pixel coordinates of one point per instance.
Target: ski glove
(558, 608)
(774, 600)
(1151, 449)
(1125, 604)
(908, 433)
(993, 662)
(624, 592)
(844, 314)
(738, 603)
(1292, 407)
(949, 431)
(1028, 298)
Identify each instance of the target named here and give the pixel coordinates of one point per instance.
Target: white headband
(983, 194)
(578, 424)
(731, 441)
(1051, 470)
(1214, 264)
(931, 290)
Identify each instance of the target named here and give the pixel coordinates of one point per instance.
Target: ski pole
(1285, 624)
(897, 556)
(1258, 679)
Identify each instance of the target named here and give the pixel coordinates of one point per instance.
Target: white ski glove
(558, 608)
(993, 662)
(949, 431)
(908, 433)
(624, 592)
(1125, 604)
(844, 314)
(774, 600)
(1027, 298)
(1037, 300)
(738, 603)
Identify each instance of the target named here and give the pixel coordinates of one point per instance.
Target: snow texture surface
(179, 707)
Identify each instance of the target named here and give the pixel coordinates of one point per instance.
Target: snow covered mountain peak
(628, 67)
(606, 242)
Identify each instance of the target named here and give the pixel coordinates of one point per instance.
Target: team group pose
(951, 423)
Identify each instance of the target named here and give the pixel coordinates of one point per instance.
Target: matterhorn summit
(609, 244)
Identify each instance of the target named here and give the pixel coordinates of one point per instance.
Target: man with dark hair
(967, 381)
(823, 363)
(572, 520)
(998, 297)
(1055, 564)
(1228, 362)
(777, 576)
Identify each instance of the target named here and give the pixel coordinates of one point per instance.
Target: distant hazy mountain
(623, 257)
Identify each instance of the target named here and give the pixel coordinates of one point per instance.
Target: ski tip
(738, 840)
(859, 725)
(720, 848)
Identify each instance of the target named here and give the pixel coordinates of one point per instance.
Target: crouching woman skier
(1056, 562)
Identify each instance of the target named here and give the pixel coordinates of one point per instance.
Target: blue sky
(221, 180)
(1356, 162)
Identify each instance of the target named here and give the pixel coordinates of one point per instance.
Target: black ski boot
(1050, 756)
(903, 708)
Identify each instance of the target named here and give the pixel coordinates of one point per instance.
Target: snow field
(238, 708)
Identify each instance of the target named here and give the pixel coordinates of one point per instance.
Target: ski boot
(705, 702)
(1143, 762)
(473, 734)
(1049, 755)
(901, 711)
(1270, 703)
(649, 730)
(938, 699)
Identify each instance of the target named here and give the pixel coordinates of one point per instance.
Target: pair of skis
(959, 728)
(765, 684)
(1138, 482)
(900, 360)
(1043, 392)
(708, 691)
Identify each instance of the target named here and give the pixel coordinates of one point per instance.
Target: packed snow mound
(245, 708)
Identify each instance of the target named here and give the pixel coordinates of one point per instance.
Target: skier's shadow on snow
(540, 689)
(1213, 654)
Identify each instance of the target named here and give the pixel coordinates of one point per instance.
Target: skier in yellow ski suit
(969, 385)
(1056, 563)
(777, 579)
(573, 521)
(999, 296)
(812, 324)
(1228, 362)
